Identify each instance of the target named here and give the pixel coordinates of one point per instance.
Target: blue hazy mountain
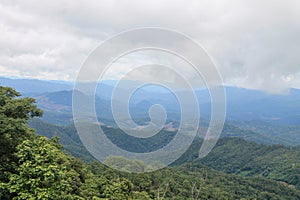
(242, 104)
(34, 86)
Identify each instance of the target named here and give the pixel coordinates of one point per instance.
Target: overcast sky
(255, 43)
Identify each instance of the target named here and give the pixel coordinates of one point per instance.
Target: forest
(33, 166)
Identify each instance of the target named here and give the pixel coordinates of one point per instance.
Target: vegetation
(235, 155)
(68, 137)
(35, 167)
(14, 113)
(232, 154)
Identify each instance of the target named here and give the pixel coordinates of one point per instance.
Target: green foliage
(194, 181)
(118, 190)
(120, 163)
(140, 195)
(68, 137)
(44, 172)
(237, 156)
(14, 113)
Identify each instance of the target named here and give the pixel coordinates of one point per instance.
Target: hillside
(236, 156)
(67, 135)
(232, 154)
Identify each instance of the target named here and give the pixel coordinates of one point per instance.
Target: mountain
(245, 105)
(34, 166)
(275, 133)
(34, 86)
(57, 108)
(282, 109)
(242, 104)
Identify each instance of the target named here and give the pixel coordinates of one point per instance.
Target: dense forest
(36, 167)
(232, 155)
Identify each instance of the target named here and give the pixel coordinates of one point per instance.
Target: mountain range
(242, 104)
(257, 156)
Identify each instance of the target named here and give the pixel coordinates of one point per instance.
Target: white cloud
(255, 43)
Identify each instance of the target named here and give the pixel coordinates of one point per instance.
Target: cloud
(255, 44)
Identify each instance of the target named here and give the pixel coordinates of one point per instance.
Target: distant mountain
(60, 101)
(251, 105)
(57, 107)
(34, 86)
(242, 104)
(255, 105)
(275, 133)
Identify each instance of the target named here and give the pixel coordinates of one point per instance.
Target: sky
(254, 43)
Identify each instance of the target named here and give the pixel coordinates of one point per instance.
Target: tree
(44, 172)
(118, 190)
(123, 164)
(14, 115)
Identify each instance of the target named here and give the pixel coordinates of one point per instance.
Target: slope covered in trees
(232, 154)
(237, 156)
